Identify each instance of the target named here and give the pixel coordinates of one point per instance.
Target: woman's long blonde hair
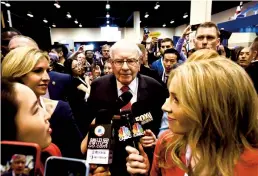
(20, 61)
(219, 98)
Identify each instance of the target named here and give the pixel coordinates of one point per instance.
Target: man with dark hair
(252, 69)
(62, 51)
(170, 60)
(207, 36)
(6, 35)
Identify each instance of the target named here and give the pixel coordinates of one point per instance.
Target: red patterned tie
(129, 105)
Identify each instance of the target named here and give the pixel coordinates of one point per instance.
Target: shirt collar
(132, 85)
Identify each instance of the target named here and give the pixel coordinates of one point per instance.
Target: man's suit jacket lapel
(142, 86)
(111, 93)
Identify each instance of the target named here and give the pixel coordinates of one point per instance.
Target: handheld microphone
(142, 114)
(101, 139)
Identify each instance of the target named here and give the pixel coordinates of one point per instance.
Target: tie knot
(125, 89)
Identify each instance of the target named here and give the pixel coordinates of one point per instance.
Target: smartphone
(194, 27)
(146, 30)
(20, 157)
(63, 166)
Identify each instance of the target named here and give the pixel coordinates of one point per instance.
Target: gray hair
(123, 44)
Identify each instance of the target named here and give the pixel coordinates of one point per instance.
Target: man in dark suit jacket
(105, 90)
(59, 86)
(18, 162)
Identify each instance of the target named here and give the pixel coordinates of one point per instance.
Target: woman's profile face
(178, 121)
(31, 119)
(38, 78)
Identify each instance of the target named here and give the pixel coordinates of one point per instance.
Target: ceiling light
(164, 25)
(30, 14)
(76, 22)
(2, 2)
(157, 6)
(53, 25)
(7, 4)
(68, 15)
(107, 25)
(185, 15)
(80, 25)
(140, 21)
(146, 15)
(172, 21)
(107, 15)
(57, 5)
(107, 6)
(107, 22)
(45, 21)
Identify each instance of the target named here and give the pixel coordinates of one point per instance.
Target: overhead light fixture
(80, 25)
(107, 22)
(107, 15)
(146, 15)
(76, 22)
(57, 5)
(2, 2)
(140, 21)
(164, 25)
(107, 6)
(185, 15)
(53, 25)
(45, 20)
(7, 4)
(157, 6)
(68, 15)
(30, 14)
(172, 21)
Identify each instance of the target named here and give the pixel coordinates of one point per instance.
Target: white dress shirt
(133, 89)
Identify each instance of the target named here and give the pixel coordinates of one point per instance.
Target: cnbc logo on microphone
(99, 131)
(145, 118)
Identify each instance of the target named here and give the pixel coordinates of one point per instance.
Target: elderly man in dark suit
(105, 90)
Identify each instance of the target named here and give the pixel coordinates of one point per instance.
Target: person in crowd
(62, 51)
(106, 89)
(184, 50)
(224, 51)
(243, 56)
(30, 66)
(89, 56)
(96, 71)
(6, 35)
(168, 43)
(23, 118)
(207, 36)
(80, 87)
(108, 67)
(170, 61)
(144, 66)
(213, 127)
(18, 162)
(21, 40)
(252, 69)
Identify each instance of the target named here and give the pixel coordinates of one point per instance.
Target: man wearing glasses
(124, 57)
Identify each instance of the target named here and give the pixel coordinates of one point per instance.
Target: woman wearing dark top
(29, 66)
(79, 88)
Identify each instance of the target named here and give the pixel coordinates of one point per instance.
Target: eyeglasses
(130, 62)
